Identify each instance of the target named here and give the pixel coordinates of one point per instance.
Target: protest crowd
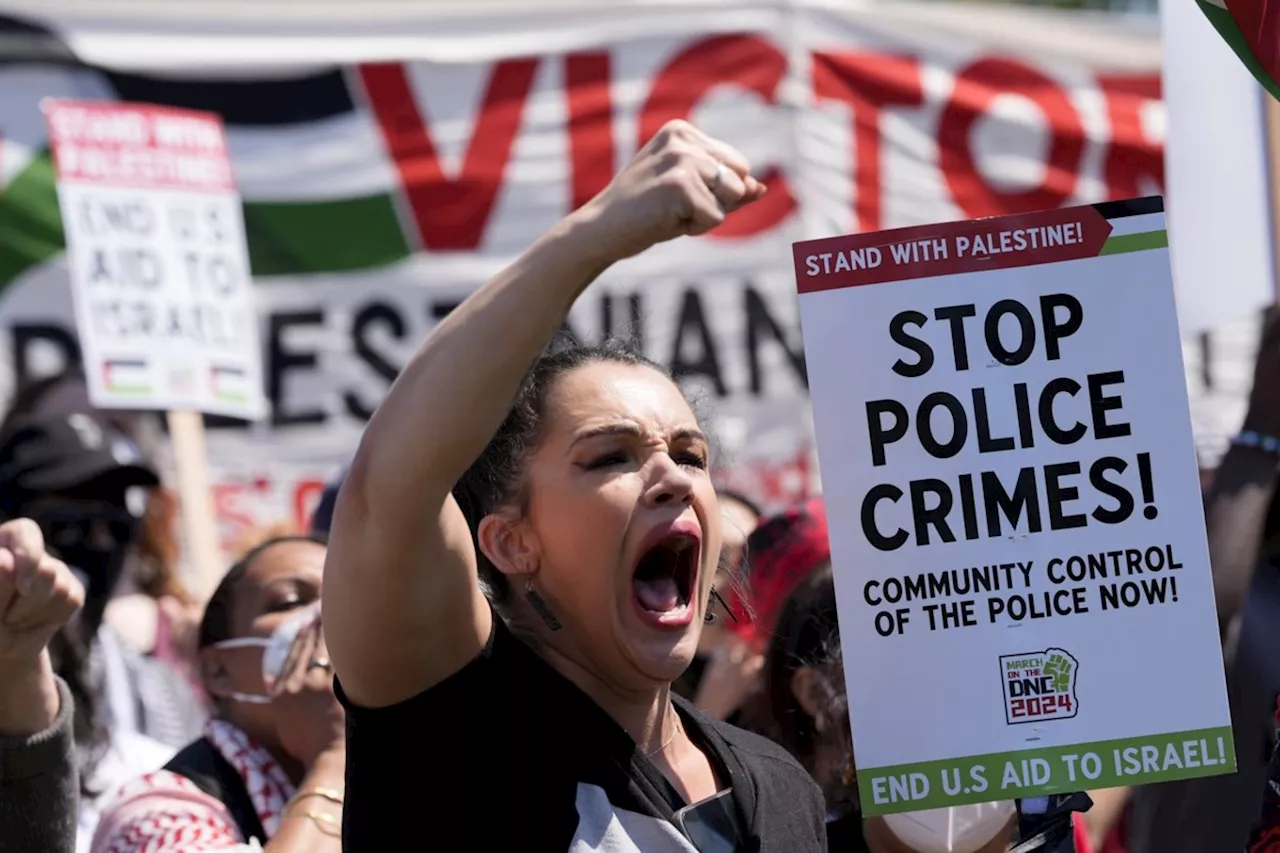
(532, 611)
(529, 586)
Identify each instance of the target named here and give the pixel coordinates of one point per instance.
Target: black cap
(62, 453)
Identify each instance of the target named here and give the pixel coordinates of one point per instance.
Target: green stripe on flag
(287, 238)
(284, 238)
(30, 222)
(1047, 770)
(1230, 32)
(1135, 243)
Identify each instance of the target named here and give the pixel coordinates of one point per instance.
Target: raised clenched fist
(681, 182)
(38, 594)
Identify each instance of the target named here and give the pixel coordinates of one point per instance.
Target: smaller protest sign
(156, 251)
(1026, 605)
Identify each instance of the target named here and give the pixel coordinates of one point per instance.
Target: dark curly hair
(496, 478)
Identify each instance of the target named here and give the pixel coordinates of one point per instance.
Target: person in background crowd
(78, 480)
(725, 671)
(63, 393)
(251, 537)
(269, 767)
(779, 553)
(803, 705)
(1243, 516)
(39, 782)
(1264, 837)
(805, 708)
(572, 487)
(322, 517)
(782, 551)
(740, 516)
(151, 611)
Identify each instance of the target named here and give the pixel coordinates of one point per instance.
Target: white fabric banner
(378, 193)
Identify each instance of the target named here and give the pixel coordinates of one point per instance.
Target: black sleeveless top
(202, 764)
(513, 757)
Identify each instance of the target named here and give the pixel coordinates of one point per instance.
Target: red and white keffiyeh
(163, 811)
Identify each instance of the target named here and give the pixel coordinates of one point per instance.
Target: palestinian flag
(1252, 28)
(332, 211)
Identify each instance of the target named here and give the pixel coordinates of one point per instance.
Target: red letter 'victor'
(739, 60)
(450, 214)
(868, 83)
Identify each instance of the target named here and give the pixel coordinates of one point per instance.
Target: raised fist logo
(1059, 667)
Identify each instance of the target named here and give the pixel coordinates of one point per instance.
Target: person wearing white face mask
(268, 773)
(804, 707)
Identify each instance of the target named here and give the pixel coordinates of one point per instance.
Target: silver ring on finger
(718, 177)
(320, 663)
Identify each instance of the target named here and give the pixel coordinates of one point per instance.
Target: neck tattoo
(666, 743)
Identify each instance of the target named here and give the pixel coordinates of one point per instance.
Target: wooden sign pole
(199, 518)
(1271, 109)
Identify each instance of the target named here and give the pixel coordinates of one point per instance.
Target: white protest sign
(1026, 605)
(156, 251)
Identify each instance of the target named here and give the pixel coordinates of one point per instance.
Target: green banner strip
(1049, 770)
(30, 222)
(284, 238)
(317, 237)
(1135, 243)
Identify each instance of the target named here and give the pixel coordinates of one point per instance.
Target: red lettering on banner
(950, 248)
(1131, 155)
(976, 87)
(229, 513)
(306, 495)
(868, 83)
(450, 213)
(589, 103)
(746, 61)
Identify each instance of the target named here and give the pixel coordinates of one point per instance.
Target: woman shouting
(520, 563)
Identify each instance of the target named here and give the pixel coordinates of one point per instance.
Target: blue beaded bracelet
(1258, 441)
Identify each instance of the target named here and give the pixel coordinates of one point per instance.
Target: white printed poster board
(1017, 532)
(156, 251)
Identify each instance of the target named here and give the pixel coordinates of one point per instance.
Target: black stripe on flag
(22, 40)
(269, 102)
(1130, 207)
(244, 102)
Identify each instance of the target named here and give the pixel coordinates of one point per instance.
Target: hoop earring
(540, 606)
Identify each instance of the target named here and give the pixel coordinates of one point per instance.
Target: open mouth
(664, 577)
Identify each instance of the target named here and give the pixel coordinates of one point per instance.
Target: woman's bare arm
(402, 606)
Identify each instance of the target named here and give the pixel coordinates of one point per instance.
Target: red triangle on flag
(1259, 23)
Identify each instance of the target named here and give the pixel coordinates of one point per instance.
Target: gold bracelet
(322, 820)
(324, 793)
